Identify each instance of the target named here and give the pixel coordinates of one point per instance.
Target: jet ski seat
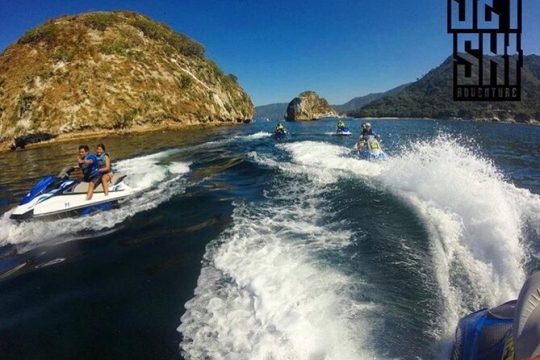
(82, 187)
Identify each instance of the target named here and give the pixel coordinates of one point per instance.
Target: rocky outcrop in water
(308, 106)
(111, 72)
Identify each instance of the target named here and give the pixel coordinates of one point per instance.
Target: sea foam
(264, 293)
(475, 217)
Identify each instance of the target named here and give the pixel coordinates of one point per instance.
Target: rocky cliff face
(308, 106)
(111, 71)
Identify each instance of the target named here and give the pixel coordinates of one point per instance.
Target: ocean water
(236, 246)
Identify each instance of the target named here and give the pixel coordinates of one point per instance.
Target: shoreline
(61, 138)
(530, 122)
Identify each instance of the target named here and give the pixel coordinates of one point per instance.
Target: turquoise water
(237, 246)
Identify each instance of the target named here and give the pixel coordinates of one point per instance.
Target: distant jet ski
(343, 132)
(508, 331)
(63, 196)
(370, 148)
(280, 135)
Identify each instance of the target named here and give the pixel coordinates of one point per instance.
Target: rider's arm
(360, 143)
(84, 162)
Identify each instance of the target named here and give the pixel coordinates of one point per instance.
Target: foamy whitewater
(263, 293)
(153, 179)
(237, 246)
(475, 218)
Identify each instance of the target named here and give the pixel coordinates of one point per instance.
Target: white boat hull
(46, 205)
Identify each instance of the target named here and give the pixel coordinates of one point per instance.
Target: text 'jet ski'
(370, 148)
(64, 196)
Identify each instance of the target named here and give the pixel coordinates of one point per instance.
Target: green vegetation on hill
(101, 21)
(431, 96)
(111, 71)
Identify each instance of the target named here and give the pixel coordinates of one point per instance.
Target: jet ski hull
(371, 150)
(376, 155)
(67, 198)
(344, 132)
(280, 136)
(508, 331)
(484, 334)
(68, 205)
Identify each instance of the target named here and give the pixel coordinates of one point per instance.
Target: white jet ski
(63, 196)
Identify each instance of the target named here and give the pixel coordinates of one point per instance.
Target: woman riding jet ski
(64, 196)
(510, 331)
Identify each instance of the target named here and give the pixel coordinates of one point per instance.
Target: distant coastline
(510, 121)
(94, 134)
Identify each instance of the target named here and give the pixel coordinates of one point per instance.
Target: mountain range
(361, 101)
(431, 97)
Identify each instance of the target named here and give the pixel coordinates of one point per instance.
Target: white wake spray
(475, 217)
(264, 294)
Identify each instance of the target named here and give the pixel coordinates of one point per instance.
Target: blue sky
(338, 48)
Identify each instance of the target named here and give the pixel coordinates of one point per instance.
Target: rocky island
(109, 72)
(308, 106)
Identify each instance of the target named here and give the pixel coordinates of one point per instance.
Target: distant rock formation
(110, 72)
(308, 106)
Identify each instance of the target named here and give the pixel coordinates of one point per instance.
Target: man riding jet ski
(342, 130)
(510, 331)
(64, 196)
(280, 132)
(368, 144)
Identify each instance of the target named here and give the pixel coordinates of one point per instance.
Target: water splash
(475, 217)
(264, 294)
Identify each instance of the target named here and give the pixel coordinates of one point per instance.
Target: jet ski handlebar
(65, 172)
